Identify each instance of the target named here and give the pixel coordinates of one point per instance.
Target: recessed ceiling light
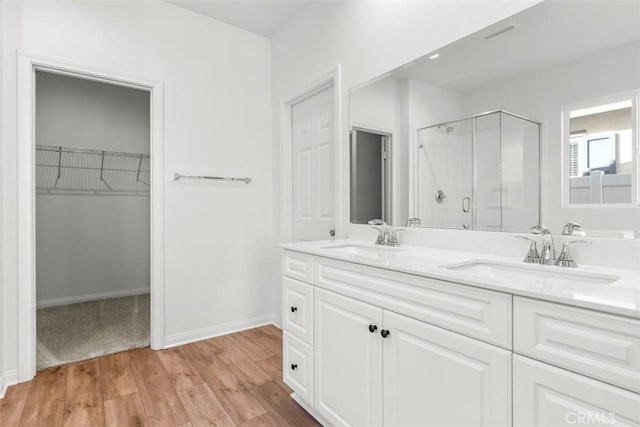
(434, 56)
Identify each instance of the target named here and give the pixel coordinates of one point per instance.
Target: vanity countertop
(621, 297)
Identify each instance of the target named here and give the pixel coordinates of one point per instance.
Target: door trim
(27, 65)
(331, 78)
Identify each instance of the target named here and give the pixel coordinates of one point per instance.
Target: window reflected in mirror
(601, 153)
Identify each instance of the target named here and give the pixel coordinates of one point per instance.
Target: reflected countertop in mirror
(482, 134)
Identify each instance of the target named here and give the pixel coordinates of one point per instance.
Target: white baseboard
(7, 379)
(216, 331)
(91, 297)
(277, 321)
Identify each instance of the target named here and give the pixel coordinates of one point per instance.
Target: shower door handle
(466, 204)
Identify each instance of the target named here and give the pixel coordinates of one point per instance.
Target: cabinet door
(546, 396)
(348, 360)
(433, 377)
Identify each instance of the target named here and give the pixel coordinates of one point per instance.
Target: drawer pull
(294, 309)
(372, 328)
(294, 366)
(384, 333)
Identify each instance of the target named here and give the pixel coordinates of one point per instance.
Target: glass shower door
(445, 175)
(488, 173)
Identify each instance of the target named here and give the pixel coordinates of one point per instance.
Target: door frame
(27, 66)
(331, 78)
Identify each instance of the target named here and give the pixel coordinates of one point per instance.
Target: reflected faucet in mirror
(414, 222)
(573, 229)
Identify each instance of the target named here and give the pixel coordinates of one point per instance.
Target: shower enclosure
(479, 173)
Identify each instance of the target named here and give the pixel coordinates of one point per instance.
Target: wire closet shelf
(67, 170)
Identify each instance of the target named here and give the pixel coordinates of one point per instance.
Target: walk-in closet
(92, 167)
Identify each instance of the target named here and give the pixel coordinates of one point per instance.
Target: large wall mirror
(533, 119)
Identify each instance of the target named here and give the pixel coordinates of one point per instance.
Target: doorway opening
(370, 176)
(92, 218)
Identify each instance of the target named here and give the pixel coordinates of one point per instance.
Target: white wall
(367, 39)
(540, 96)
(82, 113)
(216, 80)
(374, 106)
(2, 315)
(89, 245)
(428, 105)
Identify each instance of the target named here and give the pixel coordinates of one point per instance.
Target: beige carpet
(70, 333)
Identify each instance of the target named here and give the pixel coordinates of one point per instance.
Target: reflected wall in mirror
(454, 165)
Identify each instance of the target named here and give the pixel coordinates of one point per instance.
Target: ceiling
(547, 34)
(264, 17)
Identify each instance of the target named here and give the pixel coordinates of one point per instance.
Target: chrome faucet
(548, 253)
(386, 235)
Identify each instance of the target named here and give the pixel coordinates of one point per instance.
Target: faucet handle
(533, 256)
(565, 259)
(540, 229)
(572, 229)
(414, 222)
(393, 237)
(380, 239)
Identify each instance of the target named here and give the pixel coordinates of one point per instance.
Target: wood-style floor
(233, 380)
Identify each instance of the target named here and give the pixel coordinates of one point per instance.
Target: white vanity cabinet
(547, 396)
(360, 342)
(367, 346)
(603, 347)
(431, 376)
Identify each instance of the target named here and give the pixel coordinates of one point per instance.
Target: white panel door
(313, 149)
(348, 360)
(433, 377)
(546, 396)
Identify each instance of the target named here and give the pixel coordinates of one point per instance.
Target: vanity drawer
(297, 308)
(297, 369)
(476, 313)
(600, 345)
(297, 265)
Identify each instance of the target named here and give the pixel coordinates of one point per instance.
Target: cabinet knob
(384, 333)
(294, 309)
(294, 366)
(372, 328)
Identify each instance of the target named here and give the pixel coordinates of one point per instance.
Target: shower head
(447, 128)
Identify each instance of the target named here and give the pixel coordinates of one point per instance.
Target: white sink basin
(377, 253)
(526, 273)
